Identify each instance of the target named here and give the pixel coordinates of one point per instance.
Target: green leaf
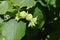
(40, 18)
(1, 22)
(23, 3)
(53, 2)
(40, 1)
(5, 6)
(13, 30)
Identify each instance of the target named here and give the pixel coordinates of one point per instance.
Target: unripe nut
(23, 14)
(29, 17)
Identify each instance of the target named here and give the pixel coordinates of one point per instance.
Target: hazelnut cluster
(28, 17)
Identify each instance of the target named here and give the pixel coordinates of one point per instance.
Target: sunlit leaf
(5, 6)
(23, 3)
(1, 22)
(13, 30)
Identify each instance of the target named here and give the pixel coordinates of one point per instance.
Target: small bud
(29, 17)
(6, 17)
(17, 18)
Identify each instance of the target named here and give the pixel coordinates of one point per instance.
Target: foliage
(29, 20)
